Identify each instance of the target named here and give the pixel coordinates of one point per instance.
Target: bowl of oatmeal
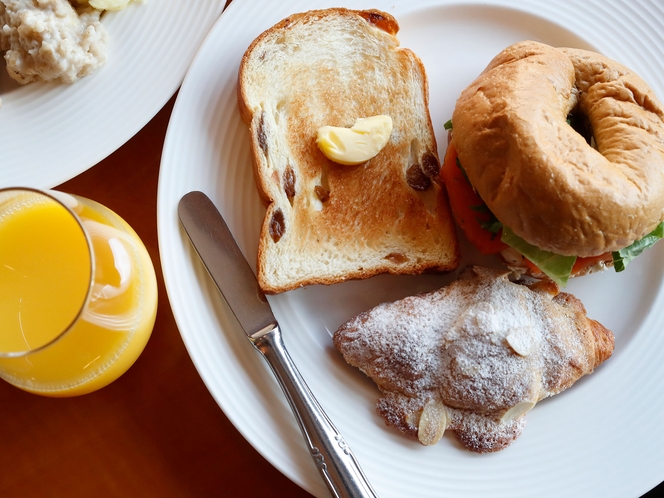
(51, 40)
(79, 78)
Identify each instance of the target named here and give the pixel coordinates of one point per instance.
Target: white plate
(51, 132)
(604, 437)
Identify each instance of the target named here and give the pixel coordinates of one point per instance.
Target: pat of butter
(357, 144)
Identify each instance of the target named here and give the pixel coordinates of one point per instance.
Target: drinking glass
(78, 293)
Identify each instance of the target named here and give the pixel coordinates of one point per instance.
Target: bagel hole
(581, 124)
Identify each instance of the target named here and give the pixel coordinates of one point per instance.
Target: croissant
(473, 357)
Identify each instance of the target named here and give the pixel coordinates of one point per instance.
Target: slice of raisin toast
(325, 222)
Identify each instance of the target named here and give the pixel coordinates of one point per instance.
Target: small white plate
(604, 437)
(51, 132)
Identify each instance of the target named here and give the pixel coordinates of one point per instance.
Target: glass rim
(53, 195)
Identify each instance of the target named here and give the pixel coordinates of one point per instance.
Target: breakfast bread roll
(473, 357)
(564, 149)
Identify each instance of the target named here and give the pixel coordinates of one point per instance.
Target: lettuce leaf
(624, 256)
(558, 268)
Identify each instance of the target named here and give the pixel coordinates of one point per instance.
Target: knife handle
(333, 458)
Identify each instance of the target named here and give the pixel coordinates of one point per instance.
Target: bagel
(537, 174)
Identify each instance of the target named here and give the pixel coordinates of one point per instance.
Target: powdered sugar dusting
(481, 347)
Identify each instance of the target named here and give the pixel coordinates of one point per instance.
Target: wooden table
(156, 431)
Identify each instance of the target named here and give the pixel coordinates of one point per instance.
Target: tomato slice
(583, 264)
(465, 202)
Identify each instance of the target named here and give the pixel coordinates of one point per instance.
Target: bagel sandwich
(555, 161)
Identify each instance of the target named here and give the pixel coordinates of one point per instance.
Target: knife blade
(231, 273)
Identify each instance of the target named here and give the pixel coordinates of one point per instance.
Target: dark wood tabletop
(154, 432)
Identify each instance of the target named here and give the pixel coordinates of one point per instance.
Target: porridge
(54, 40)
(48, 40)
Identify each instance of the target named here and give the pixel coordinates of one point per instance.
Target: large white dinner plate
(604, 437)
(50, 132)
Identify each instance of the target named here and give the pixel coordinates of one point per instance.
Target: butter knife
(233, 276)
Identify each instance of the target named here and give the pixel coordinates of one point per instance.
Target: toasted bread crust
(538, 175)
(341, 222)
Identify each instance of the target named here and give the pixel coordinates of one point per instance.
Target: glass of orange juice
(78, 293)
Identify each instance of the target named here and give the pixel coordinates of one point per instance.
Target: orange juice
(77, 300)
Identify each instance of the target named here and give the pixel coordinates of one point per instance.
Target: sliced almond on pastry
(517, 410)
(433, 423)
(520, 340)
